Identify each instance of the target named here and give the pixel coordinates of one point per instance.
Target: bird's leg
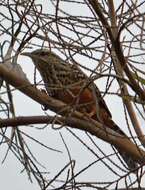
(44, 91)
(92, 112)
(44, 107)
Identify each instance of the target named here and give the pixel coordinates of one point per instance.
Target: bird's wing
(92, 86)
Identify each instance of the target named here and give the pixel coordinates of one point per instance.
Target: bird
(68, 83)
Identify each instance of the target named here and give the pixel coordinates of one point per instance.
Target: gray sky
(10, 175)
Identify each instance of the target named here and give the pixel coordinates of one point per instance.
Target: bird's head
(45, 59)
(42, 56)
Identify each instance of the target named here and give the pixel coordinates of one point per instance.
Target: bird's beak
(27, 54)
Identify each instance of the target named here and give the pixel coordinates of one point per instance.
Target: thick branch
(117, 47)
(119, 71)
(96, 129)
(29, 120)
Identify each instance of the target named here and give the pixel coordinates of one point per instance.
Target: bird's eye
(43, 53)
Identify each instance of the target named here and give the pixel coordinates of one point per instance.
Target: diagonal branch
(77, 119)
(118, 49)
(119, 71)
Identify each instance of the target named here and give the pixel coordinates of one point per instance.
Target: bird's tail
(131, 164)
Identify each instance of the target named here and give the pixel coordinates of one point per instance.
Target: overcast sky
(11, 176)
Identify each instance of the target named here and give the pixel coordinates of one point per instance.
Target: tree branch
(119, 71)
(118, 49)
